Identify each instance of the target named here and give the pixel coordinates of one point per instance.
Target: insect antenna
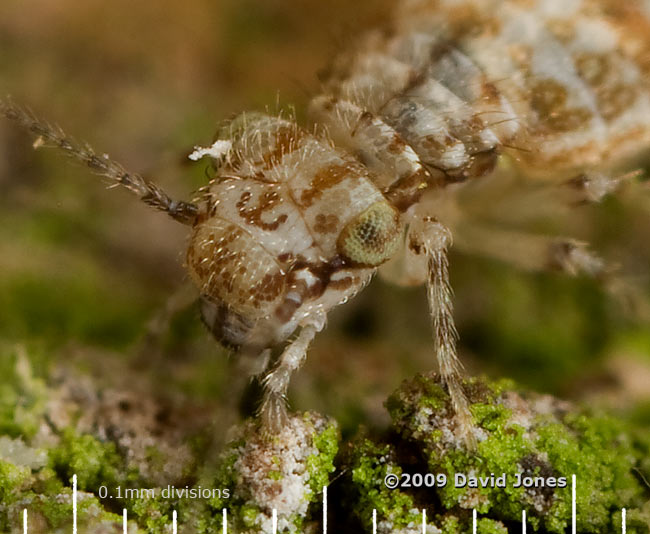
(53, 136)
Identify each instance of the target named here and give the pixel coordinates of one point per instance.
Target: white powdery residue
(538, 501)
(472, 498)
(444, 425)
(480, 434)
(423, 420)
(219, 149)
(275, 475)
(547, 405)
(521, 413)
(17, 452)
(386, 527)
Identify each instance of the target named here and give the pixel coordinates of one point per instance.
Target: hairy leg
(273, 412)
(433, 239)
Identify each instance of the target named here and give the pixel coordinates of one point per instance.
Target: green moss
(431, 395)
(518, 436)
(11, 480)
(22, 396)
(492, 417)
(57, 511)
(598, 451)
(369, 463)
(39, 493)
(450, 525)
(637, 520)
(321, 465)
(225, 476)
(46, 482)
(607, 456)
(489, 526)
(95, 463)
(249, 515)
(155, 515)
(54, 507)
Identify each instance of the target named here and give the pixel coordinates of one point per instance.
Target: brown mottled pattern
(253, 215)
(326, 223)
(279, 201)
(549, 102)
(287, 139)
(343, 283)
(432, 101)
(229, 267)
(324, 179)
(602, 73)
(576, 73)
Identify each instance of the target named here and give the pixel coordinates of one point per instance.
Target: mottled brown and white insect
(296, 222)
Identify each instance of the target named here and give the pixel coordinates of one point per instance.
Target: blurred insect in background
(458, 119)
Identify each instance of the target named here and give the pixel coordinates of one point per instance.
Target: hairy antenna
(148, 192)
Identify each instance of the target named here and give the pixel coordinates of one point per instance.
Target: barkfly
(296, 221)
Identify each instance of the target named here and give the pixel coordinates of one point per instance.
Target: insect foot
(429, 237)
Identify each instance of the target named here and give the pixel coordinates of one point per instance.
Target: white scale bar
(573, 504)
(74, 504)
(374, 515)
(324, 509)
(25, 521)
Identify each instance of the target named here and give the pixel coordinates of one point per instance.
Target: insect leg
(50, 135)
(274, 407)
(435, 239)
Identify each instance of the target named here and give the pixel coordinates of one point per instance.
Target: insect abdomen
(561, 86)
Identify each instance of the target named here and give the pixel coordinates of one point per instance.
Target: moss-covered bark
(148, 460)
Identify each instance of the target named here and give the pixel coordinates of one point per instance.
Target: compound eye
(372, 237)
